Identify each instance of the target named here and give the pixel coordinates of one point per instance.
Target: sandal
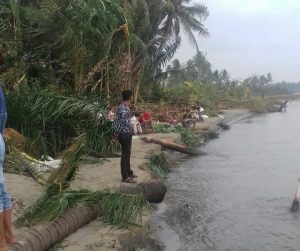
(133, 176)
(129, 180)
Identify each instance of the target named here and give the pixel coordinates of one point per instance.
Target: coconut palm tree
(59, 42)
(181, 15)
(160, 33)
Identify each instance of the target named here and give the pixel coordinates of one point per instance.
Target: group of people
(126, 124)
(139, 122)
(189, 118)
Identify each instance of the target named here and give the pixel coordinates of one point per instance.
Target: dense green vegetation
(60, 56)
(197, 82)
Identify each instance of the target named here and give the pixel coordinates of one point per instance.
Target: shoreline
(140, 238)
(106, 175)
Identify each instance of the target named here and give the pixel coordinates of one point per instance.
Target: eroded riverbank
(238, 197)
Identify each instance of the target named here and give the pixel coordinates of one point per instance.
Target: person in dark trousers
(122, 131)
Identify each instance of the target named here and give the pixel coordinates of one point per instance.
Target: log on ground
(48, 234)
(153, 191)
(174, 146)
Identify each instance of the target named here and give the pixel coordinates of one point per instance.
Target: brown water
(238, 197)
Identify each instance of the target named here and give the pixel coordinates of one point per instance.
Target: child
(135, 124)
(196, 113)
(174, 120)
(200, 111)
(110, 115)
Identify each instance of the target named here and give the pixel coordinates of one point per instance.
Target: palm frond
(117, 209)
(51, 119)
(122, 210)
(197, 11)
(166, 53)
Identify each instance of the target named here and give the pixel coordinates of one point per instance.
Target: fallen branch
(19, 162)
(174, 146)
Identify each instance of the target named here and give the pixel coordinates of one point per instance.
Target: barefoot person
(6, 234)
(122, 131)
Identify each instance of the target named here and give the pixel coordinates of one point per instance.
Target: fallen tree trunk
(19, 162)
(153, 191)
(44, 236)
(174, 146)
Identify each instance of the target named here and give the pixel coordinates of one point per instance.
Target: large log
(174, 146)
(48, 234)
(154, 191)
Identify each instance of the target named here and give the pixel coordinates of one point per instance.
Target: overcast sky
(251, 36)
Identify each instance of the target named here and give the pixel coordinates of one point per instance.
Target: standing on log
(6, 234)
(122, 131)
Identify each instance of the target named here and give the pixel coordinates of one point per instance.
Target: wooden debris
(174, 146)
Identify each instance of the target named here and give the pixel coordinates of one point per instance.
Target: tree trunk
(153, 191)
(174, 146)
(48, 234)
(107, 80)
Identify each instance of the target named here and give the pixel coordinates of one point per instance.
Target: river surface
(238, 197)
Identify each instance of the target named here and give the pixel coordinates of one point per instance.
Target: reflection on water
(238, 197)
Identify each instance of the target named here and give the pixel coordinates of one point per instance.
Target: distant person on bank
(122, 131)
(6, 233)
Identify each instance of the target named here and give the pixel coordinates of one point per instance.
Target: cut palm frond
(122, 210)
(116, 209)
(50, 120)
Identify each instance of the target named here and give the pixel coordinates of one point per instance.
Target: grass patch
(191, 139)
(159, 166)
(188, 137)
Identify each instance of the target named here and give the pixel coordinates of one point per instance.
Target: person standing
(122, 131)
(6, 233)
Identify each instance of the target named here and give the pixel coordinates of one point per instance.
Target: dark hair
(126, 95)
